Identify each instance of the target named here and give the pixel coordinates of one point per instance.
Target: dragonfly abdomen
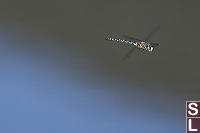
(121, 40)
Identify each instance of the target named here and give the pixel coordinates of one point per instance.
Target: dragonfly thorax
(145, 45)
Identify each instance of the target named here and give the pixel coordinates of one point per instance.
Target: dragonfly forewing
(149, 34)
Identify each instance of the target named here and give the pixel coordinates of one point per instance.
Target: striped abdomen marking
(121, 40)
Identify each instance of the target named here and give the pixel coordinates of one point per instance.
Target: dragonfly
(143, 45)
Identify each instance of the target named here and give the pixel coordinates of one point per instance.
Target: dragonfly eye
(151, 49)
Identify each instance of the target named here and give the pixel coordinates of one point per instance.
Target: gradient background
(59, 75)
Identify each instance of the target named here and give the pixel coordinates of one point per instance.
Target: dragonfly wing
(129, 53)
(131, 38)
(149, 34)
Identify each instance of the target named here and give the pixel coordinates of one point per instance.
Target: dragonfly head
(150, 48)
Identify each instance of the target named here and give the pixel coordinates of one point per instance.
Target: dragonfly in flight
(144, 44)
